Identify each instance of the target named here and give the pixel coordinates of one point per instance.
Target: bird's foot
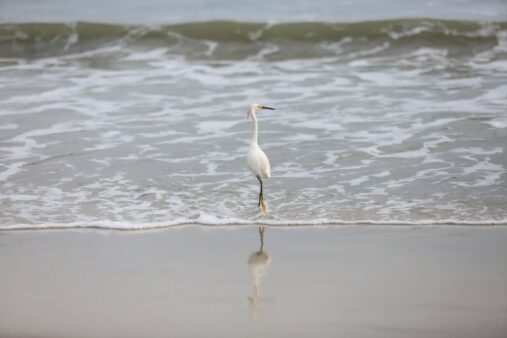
(263, 207)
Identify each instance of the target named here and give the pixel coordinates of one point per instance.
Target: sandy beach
(197, 281)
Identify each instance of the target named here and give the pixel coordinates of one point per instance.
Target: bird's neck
(255, 131)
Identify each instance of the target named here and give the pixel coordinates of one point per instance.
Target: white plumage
(256, 159)
(258, 162)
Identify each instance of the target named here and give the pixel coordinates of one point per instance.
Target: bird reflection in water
(258, 263)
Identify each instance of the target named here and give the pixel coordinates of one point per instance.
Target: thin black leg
(260, 193)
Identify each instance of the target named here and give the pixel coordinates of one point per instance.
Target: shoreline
(116, 226)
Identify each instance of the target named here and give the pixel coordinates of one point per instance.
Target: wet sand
(214, 282)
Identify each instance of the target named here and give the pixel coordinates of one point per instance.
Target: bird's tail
(263, 205)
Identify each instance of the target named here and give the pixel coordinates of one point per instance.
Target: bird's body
(256, 159)
(258, 162)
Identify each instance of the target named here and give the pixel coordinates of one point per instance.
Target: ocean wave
(139, 133)
(233, 222)
(239, 40)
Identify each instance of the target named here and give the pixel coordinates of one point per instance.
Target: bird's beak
(264, 107)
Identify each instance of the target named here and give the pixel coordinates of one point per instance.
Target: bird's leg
(260, 193)
(261, 204)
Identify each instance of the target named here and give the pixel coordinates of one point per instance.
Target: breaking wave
(239, 40)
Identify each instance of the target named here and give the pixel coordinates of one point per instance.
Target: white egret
(256, 159)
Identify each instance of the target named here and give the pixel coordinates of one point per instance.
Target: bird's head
(254, 107)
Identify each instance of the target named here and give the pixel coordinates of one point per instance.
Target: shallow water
(132, 126)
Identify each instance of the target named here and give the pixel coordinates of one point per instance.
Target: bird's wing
(258, 162)
(266, 168)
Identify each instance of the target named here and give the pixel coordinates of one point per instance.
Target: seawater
(399, 121)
